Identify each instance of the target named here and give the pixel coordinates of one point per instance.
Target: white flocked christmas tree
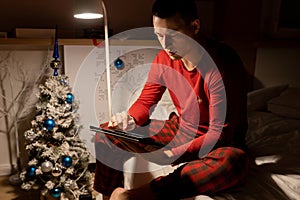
(58, 158)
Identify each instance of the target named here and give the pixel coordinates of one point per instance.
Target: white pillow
(258, 99)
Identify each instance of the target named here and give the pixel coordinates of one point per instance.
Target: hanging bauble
(46, 166)
(31, 171)
(55, 64)
(67, 161)
(119, 64)
(30, 135)
(56, 172)
(69, 98)
(55, 192)
(49, 124)
(64, 81)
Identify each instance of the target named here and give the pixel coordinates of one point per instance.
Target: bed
(273, 139)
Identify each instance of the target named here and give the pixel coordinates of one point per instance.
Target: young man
(206, 137)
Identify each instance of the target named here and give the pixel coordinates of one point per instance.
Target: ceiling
(122, 15)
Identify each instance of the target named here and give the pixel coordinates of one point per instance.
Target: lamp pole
(86, 10)
(107, 58)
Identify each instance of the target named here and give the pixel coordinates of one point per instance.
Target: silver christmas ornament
(30, 135)
(56, 171)
(46, 166)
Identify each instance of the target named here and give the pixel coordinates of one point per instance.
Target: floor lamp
(91, 9)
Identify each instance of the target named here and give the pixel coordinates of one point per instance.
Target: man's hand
(122, 121)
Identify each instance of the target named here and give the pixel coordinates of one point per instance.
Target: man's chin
(174, 56)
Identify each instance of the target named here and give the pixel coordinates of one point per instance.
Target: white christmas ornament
(46, 166)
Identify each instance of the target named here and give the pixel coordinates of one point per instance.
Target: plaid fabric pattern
(167, 131)
(220, 169)
(107, 179)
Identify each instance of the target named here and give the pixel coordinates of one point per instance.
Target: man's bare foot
(119, 194)
(143, 192)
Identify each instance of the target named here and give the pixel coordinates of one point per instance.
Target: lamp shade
(87, 9)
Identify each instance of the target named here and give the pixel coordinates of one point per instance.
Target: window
(282, 18)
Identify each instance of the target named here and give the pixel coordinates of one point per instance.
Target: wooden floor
(11, 192)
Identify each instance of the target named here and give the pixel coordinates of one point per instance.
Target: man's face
(173, 34)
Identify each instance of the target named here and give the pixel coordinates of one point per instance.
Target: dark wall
(237, 22)
(122, 15)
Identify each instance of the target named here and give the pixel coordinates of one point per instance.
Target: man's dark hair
(169, 8)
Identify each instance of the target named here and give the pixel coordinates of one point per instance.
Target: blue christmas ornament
(49, 124)
(55, 73)
(31, 171)
(55, 63)
(55, 192)
(67, 161)
(69, 98)
(55, 51)
(119, 64)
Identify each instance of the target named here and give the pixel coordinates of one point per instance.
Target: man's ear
(196, 26)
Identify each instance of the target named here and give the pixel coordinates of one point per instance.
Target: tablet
(128, 135)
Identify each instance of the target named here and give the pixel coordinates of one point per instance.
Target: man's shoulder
(218, 46)
(224, 55)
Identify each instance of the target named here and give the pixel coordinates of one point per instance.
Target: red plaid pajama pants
(220, 169)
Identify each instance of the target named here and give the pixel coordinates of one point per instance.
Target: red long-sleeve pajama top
(210, 100)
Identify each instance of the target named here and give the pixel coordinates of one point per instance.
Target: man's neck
(188, 65)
